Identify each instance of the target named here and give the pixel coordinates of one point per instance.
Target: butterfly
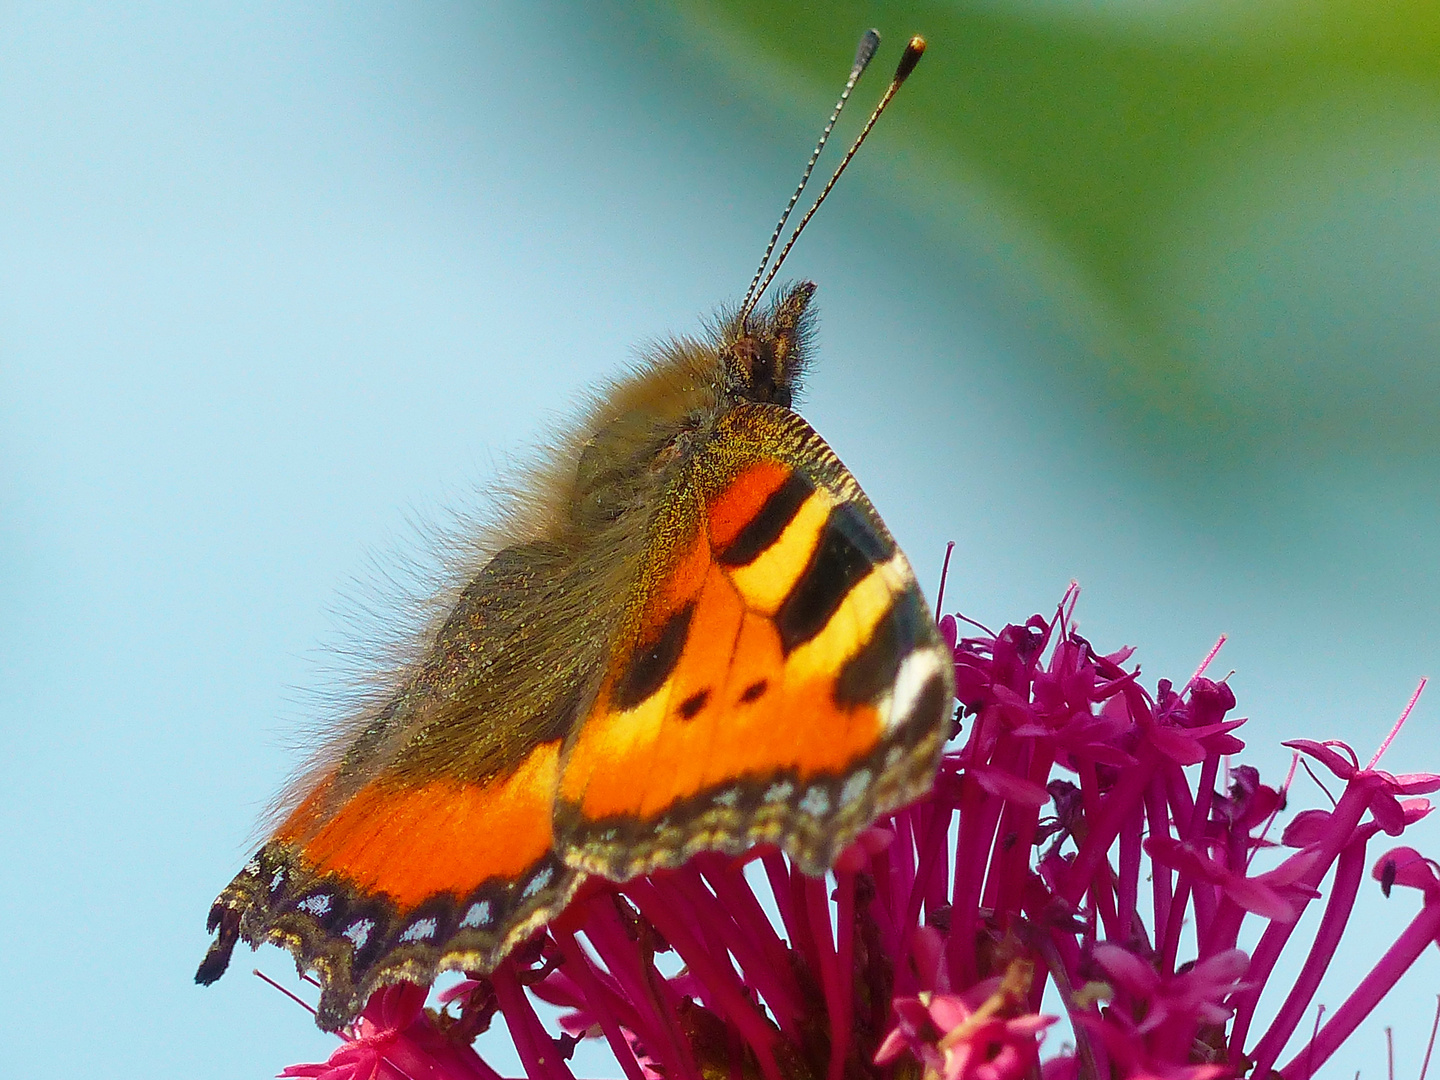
(703, 638)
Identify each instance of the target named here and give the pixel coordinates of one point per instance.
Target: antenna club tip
(914, 50)
(865, 50)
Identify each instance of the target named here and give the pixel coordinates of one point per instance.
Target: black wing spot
(754, 690)
(651, 666)
(848, 547)
(769, 522)
(691, 706)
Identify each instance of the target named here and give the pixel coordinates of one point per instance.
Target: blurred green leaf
(1205, 174)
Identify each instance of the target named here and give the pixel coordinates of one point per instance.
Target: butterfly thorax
(658, 417)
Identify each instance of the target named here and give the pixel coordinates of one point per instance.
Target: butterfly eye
(749, 361)
(765, 362)
(758, 363)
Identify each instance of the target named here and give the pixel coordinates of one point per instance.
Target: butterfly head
(764, 351)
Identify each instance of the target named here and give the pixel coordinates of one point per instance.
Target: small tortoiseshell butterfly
(703, 639)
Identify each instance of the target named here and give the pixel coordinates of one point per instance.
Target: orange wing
(400, 881)
(778, 677)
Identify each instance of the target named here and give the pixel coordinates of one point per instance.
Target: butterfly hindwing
(404, 883)
(777, 677)
(428, 846)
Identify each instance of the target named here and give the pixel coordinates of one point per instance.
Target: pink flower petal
(1343, 767)
(1306, 828)
(1415, 783)
(1009, 787)
(1406, 866)
(1127, 969)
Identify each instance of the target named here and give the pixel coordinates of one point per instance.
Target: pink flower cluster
(1065, 848)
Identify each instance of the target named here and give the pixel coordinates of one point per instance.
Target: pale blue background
(275, 279)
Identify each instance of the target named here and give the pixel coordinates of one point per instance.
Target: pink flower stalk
(1065, 846)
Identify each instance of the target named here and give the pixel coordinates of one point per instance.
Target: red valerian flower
(954, 1038)
(395, 1039)
(1400, 866)
(1085, 838)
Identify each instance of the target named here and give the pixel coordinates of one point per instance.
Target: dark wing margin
(357, 941)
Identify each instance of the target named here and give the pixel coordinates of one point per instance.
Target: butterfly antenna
(913, 51)
(864, 53)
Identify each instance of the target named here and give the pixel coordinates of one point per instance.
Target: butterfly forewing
(777, 677)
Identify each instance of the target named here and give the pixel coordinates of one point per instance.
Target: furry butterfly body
(702, 639)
